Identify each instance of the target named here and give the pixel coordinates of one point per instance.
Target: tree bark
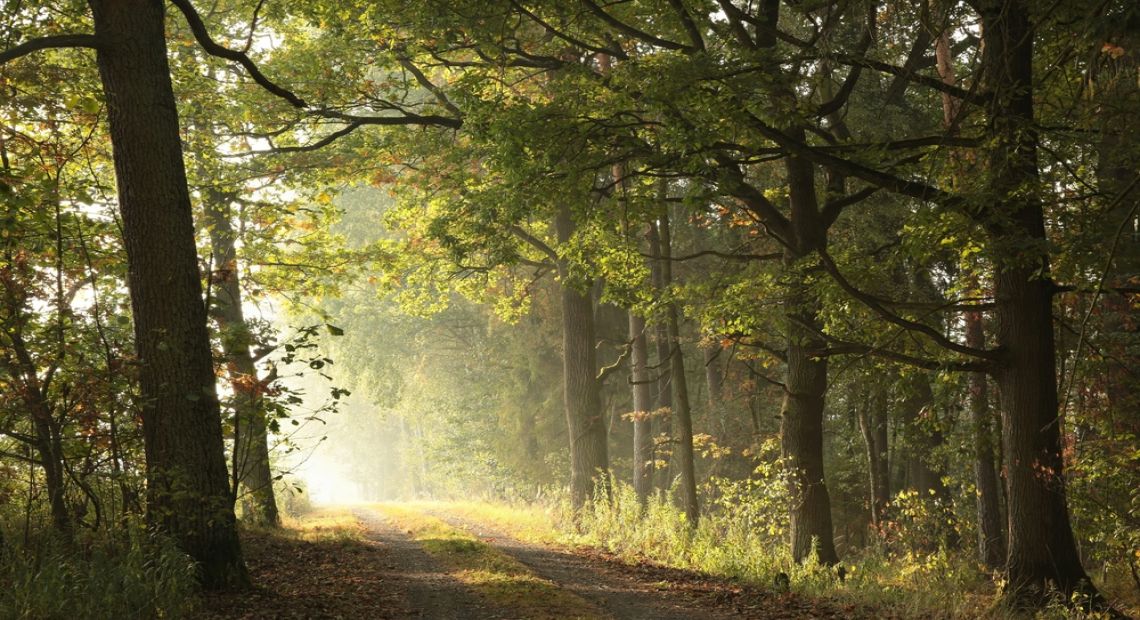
(714, 375)
(873, 425)
(188, 492)
(589, 461)
(991, 535)
(251, 436)
(1042, 551)
(664, 397)
(50, 449)
(1118, 159)
(642, 406)
(805, 381)
(682, 412)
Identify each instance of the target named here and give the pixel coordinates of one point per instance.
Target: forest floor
(432, 561)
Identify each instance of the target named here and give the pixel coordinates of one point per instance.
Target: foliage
(132, 573)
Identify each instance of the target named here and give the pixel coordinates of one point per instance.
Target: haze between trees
(831, 268)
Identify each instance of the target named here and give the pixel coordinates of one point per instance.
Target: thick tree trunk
(805, 381)
(642, 406)
(188, 491)
(682, 412)
(1042, 551)
(589, 461)
(873, 425)
(251, 436)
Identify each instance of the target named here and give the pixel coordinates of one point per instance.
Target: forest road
(428, 590)
(620, 590)
(382, 572)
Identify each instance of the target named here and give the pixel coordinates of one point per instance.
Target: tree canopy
(860, 275)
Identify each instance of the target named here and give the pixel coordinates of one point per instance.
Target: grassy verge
(323, 525)
(487, 571)
(731, 545)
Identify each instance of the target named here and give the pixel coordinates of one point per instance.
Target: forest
(569, 309)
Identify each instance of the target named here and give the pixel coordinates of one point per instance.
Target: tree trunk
(251, 436)
(1118, 159)
(873, 425)
(664, 398)
(922, 439)
(714, 375)
(805, 381)
(642, 406)
(682, 412)
(17, 362)
(991, 535)
(187, 481)
(1042, 550)
(589, 461)
(50, 449)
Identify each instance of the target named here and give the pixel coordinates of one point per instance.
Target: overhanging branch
(211, 47)
(874, 304)
(198, 28)
(59, 41)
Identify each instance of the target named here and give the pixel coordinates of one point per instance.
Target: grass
(741, 545)
(323, 525)
(488, 572)
(132, 574)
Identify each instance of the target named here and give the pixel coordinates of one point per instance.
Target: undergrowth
(133, 574)
(743, 536)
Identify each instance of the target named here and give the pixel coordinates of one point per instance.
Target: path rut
(430, 591)
(619, 592)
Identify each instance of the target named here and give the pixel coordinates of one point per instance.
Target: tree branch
(734, 183)
(926, 80)
(59, 41)
(612, 51)
(854, 348)
(874, 304)
(725, 255)
(898, 185)
(605, 372)
(625, 28)
(198, 28)
(303, 148)
(690, 26)
(423, 80)
(833, 208)
(534, 242)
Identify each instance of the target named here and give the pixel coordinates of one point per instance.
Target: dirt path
(408, 569)
(621, 591)
(362, 567)
(375, 574)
